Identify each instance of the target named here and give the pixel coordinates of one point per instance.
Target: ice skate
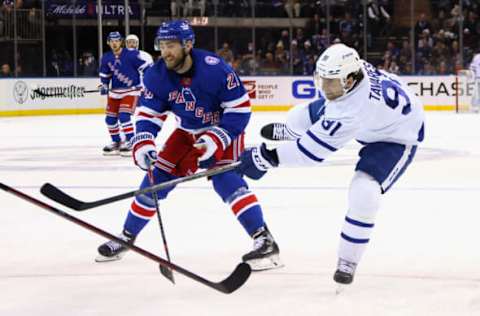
(111, 149)
(265, 253)
(277, 131)
(112, 250)
(126, 149)
(344, 274)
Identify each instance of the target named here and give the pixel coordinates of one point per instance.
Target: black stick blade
(53, 193)
(235, 280)
(167, 272)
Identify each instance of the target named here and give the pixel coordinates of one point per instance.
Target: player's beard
(178, 64)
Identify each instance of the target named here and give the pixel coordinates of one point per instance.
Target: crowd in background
(284, 51)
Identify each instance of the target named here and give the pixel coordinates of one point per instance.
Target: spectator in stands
(428, 70)
(311, 8)
(394, 51)
(285, 39)
(314, 26)
(281, 57)
(394, 68)
(277, 9)
(6, 71)
(192, 5)
(236, 8)
(269, 65)
(300, 36)
(347, 25)
(296, 58)
(440, 23)
(443, 69)
(293, 8)
(177, 8)
(226, 53)
(87, 65)
(421, 25)
(378, 18)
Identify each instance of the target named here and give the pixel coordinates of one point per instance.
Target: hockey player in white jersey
(475, 68)
(132, 42)
(362, 103)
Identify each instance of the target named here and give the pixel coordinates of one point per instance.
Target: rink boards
(269, 93)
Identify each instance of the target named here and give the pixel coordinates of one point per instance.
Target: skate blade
(112, 153)
(126, 154)
(268, 263)
(101, 258)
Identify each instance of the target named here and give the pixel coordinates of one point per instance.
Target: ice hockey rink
(423, 258)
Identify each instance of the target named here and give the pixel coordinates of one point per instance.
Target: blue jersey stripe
(354, 240)
(320, 142)
(307, 153)
(358, 223)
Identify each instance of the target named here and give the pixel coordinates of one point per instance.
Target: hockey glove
(212, 148)
(144, 150)
(103, 89)
(256, 161)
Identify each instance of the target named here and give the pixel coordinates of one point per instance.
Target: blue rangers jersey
(210, 97)
(380, 109)
(123, 71)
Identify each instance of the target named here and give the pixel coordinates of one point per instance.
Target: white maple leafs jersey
(475, 65)
(379, 109)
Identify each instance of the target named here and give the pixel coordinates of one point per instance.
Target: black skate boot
(345, 272)
(277, 131)
(112, 250)
(265, 253)
(126, 149)
(111, 149)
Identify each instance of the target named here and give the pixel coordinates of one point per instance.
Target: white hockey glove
(144, 150)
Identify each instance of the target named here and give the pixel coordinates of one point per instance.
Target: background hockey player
(122, 68)
(362, 103)
(132, 42)
(475, 68)
(212, 109)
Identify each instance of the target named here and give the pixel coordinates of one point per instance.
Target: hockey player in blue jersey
(363, 103)
(122, 68)
(212, 109)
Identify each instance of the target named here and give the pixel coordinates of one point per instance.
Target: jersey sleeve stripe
(307, 153)
(237, 110)
(105, 75)
(236, 102)
(150, 111)
(320, 142)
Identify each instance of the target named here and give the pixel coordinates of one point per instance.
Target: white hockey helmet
(337, 62)
(133, 37)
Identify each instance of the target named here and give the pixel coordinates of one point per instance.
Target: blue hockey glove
(103, 89)
(144, 150)
(256, 161)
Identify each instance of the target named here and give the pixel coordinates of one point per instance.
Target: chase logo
(210, 60)
(304, 89)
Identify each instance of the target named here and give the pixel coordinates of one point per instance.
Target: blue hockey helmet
(175, 30)
(114, 36)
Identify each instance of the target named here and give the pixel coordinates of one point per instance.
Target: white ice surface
(423, 258)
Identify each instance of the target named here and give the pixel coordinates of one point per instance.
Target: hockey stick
(167, 272)
(59, 94)
(234, 281)
(54, 193)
